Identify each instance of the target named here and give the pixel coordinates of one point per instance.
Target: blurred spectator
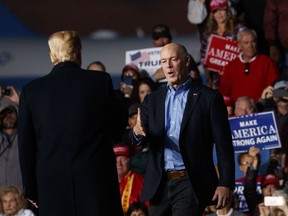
(276, 30)
(220, 22)
(282, 209)
(275, 98)
(249, 159)
(244, 105)
(9, 155)
(251, 69)
(97, 66)
(12, 203)
(269, 183)
(252, 13)
(141, 89)
(194, 71)
(129, 77)
(9, 95)
(130, 182)
(132, 112)
(161, 35)
(269, 186)
(198, 12)
(137, 209)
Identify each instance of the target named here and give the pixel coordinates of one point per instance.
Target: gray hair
(246, 31)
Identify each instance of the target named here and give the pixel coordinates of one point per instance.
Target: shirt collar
(183, 87)
(242, 60)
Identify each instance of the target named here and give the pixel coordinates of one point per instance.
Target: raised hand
(138, 129)
(13, 96)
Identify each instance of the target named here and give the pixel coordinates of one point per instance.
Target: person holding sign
(182, 121)
(250, 73)
(220, 22)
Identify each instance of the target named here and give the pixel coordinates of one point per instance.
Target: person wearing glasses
(250, 73)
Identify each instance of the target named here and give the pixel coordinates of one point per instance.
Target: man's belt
(176, 174)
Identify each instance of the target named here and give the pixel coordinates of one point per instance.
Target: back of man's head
(65, 46)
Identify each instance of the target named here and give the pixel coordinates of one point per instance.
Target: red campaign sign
(220, 52)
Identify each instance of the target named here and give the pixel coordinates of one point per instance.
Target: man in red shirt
(250, 73)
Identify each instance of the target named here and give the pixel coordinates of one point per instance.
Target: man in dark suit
(65, 132)
(182, 122)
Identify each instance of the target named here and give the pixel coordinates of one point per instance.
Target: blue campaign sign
(239, 192)
(258, 129)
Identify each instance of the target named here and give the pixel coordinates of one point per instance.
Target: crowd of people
(70, 144)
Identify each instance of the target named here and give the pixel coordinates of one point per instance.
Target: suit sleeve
(118, 112)
(27, 149)
(223, 141)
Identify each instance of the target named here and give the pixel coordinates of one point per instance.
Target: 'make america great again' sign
(220, 52)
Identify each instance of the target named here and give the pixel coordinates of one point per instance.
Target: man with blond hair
(65, 136)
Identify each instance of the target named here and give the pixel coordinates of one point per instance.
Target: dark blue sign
(258, 129)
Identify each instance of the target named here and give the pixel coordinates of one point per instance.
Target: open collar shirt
(175, 103)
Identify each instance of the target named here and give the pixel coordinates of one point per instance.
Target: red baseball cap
(121, 150)
(218, 4)
(269, 179)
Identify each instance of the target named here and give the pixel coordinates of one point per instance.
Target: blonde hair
(65, 46)
(18, 196)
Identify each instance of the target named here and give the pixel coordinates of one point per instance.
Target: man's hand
(253, 151)
(267, 93)
(223, 194)
(138, 129)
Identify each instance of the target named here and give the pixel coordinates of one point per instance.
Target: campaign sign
(239, 192)
(258, 129)
(145, 59)
(220, 52)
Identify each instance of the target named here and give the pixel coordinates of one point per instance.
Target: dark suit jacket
(66, 154)
(205, 122)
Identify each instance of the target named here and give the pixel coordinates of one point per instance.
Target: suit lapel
(193, 96)
(160, 109)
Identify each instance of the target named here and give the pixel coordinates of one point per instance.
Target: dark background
(43, 17)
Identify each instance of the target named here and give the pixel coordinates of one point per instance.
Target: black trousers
(175, 198)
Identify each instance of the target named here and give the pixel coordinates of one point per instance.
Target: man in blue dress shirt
(182, 123)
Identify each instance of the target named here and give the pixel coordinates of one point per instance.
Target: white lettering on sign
(225, 55)
(251, 132)
(248, 123)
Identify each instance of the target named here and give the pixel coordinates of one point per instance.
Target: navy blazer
(205, 122)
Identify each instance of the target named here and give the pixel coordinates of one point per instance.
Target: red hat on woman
(218, 4)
